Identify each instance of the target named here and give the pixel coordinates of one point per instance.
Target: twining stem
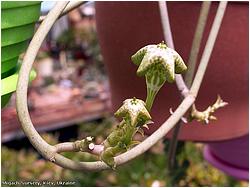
(209, 46)
(169, 40)
(49, 151)
(192, 61)
(173, 146)
(166, 24)
(71, 147)
(71, 6)
(189, 75)
(21, 95)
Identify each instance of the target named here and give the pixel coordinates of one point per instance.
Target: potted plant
(18, 20)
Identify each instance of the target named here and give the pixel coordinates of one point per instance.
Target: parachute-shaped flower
(133, 111)
(159, 57)
(157, 63)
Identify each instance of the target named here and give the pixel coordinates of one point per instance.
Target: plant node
(206, 115)
(85, 144)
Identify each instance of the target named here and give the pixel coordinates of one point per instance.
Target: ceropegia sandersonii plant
(158, 63)
(134, 115)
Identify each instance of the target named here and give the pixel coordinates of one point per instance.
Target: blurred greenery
(146, 170)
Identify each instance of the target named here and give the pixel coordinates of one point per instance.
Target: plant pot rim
(24, 15)
(9, 39)
(11, 82)
(237, 172)
(17, 4)
(9, 72)
(9, 64)
(16, 50)
(5, 99)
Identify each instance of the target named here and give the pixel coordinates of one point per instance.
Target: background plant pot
(124, 27)
(9, 85)
(9, 72)
(17, 27)
(13, 50)
(8, 65)
(230, 156)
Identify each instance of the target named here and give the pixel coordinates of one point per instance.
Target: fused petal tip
(159, 56)
(134, 111)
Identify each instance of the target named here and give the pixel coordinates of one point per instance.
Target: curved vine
(110, 159)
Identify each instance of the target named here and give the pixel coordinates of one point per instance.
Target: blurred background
(70, 99)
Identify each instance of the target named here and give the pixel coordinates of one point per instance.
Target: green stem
(153, 86)
(154, 81)
(150, 98)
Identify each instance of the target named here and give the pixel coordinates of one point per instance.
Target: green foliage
(25, 166)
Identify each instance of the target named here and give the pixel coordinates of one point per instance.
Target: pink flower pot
(230, 156)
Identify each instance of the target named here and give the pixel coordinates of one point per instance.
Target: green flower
(158, 64)
(135, 115)
(134, 112)
(159, 57)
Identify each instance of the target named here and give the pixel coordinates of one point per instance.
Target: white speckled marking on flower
(158, 64)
